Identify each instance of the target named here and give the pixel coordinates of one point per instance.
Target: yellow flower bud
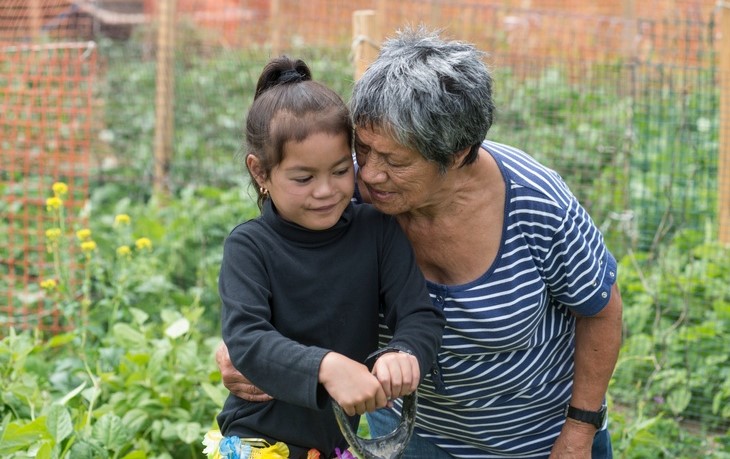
(53, 203)
(49, 284)
(60, 189)
(121, 219)
(83, 234)
(52, 234)
(88, 246)
(124, 251)
(143, 243)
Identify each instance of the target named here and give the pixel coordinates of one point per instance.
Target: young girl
(302, 285)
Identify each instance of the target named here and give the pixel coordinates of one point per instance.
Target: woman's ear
(459, 157)
(254, 166)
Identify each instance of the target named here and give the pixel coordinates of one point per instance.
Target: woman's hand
(235, 381)
(351, 384)
(398, 373)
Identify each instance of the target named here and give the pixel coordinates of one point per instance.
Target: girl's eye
(302, 179)
(342, 171)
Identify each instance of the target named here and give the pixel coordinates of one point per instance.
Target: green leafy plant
(125, 381)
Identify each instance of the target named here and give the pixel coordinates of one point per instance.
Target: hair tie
(290, 76)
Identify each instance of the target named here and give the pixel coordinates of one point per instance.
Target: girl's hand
(351, 385)
(398, 373)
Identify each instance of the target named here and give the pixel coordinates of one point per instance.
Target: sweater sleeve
(282, 367)
(416, 323)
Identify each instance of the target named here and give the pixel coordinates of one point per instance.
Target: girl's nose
(324, 188)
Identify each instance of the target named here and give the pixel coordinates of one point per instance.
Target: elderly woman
(518, 267)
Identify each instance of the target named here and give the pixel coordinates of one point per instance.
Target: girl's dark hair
(289, 106)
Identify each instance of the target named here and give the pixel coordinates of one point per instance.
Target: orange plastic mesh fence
(45, 130)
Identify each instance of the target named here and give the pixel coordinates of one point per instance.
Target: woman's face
(397, 179)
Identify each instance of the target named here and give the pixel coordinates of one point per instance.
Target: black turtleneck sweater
(290, 295)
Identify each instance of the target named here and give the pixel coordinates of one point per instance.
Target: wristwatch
(597, 418)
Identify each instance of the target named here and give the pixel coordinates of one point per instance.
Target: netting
(45, 136)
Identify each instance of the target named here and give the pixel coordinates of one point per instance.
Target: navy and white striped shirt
(505, 367)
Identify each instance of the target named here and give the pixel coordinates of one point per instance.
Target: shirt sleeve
(578, 268)
(281, 367)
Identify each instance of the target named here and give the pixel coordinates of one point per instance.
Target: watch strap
(596, 418)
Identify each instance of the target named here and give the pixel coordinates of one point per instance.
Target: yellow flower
(124, 251)
(121, 219)
(83, 234)
(88, 246)
(143, 243)
(278, 450)
(53, 203)
(49, 284)
(60, 189)
(52, 234)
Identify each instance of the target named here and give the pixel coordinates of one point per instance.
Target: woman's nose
(370, 173)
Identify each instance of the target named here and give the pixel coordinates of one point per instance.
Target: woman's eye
(361, 150)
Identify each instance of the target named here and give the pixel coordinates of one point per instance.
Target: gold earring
(263, 191)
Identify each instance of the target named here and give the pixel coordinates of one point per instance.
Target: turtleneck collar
(297, 233)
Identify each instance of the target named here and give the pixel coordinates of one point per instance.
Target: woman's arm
(234, 381)
(597, 344)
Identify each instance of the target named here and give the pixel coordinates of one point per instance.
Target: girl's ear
(254, 165)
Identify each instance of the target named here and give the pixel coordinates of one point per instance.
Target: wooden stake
(276, 27)
(164, 96)
(723, 171)
(364, 40)
(35, 21)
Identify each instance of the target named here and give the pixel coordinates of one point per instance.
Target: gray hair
(428, 94)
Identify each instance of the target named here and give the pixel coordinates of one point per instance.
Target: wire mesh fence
(623, 99)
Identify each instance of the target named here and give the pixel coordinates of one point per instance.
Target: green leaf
(72, 394)
(128, 336)
(44, 451)
(60, 340)
(139, 316)
(91, 394)
(20, 436)
(59, 423)
(679, 399)
(111, 432)
(135, 420)
(83, 449)
(178, 328)
(189, 432)
(217, 394)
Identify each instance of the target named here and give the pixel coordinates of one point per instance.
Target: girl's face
(314, 182)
